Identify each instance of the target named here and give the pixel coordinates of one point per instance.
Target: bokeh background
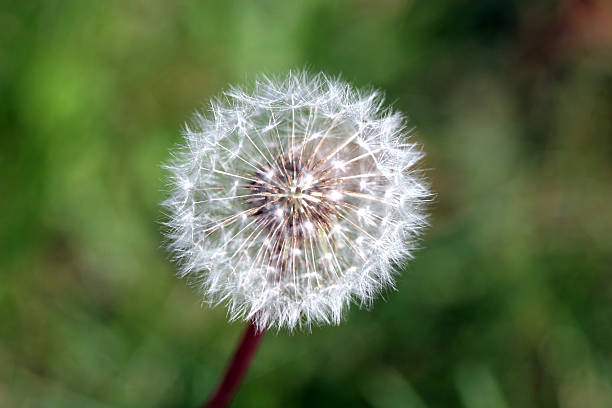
(508, 304)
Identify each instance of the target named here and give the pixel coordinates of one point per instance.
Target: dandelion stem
(237, 368)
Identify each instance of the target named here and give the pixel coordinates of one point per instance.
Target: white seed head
(294, 200)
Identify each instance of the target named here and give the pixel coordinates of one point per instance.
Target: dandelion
(294, 200)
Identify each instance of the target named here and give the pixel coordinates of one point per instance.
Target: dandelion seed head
(293, 200)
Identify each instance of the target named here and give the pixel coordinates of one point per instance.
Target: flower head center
(292, 198)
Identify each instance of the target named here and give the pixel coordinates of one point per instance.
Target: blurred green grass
(507, 305)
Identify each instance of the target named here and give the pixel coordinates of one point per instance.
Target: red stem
(237, 368)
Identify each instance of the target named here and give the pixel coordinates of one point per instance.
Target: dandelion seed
(295, 199)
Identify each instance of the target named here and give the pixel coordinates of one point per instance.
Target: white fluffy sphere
(293, 200)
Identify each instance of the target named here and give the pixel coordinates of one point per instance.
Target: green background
(508, 304)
